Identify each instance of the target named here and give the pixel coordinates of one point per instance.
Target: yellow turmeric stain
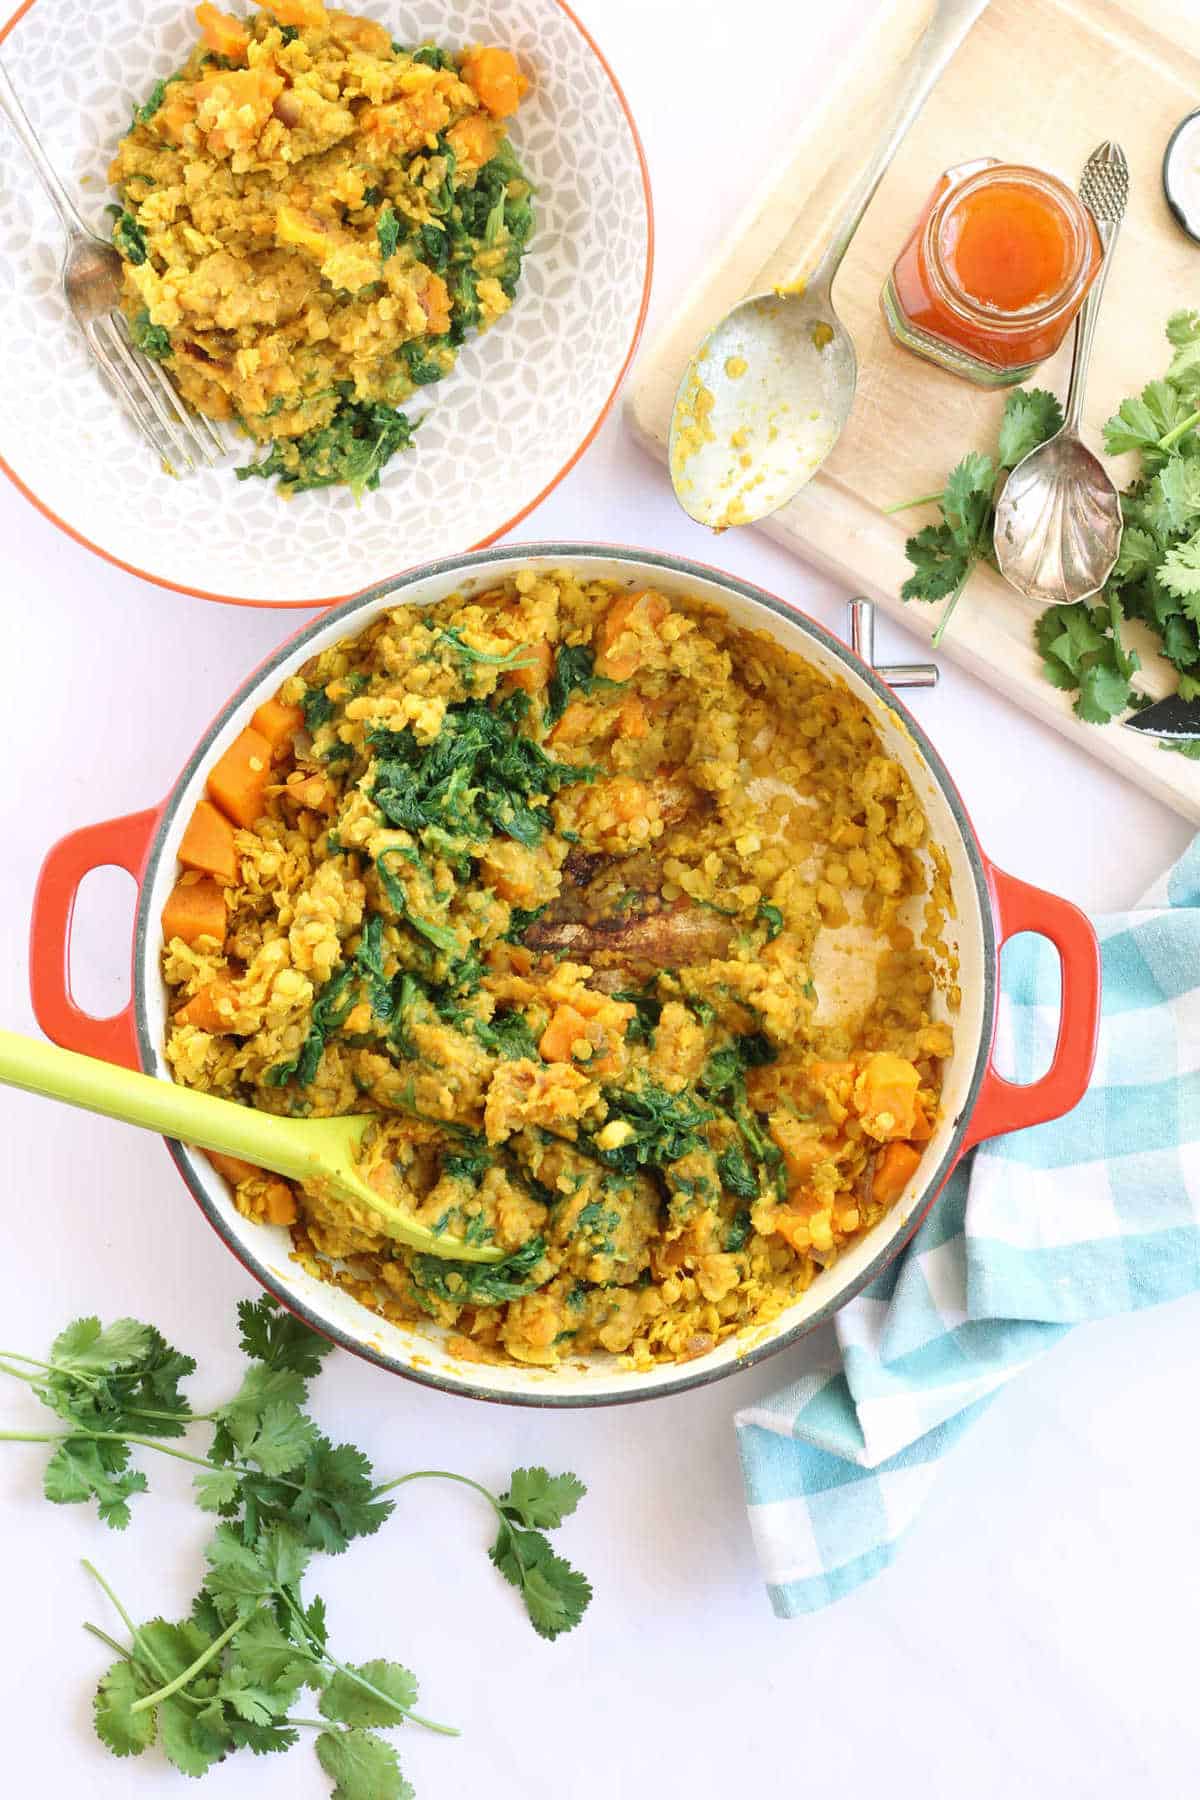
(693, 426)
(735, 367)
(822, 334)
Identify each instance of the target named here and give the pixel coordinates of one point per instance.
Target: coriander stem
(402, 1712)
(105, 1639)
(1116, 618)
(205, 1657)
(465, 1481)
(951, 602)
(128, 1623)
(907, 505)
(1177, 431)
(107, 1437)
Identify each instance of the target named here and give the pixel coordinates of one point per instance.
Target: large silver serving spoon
(766, 395)
(1058, 522)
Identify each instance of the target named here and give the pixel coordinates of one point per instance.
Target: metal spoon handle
(948, 24)
(1104, 186)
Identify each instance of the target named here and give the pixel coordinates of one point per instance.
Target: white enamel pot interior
(420, 1353)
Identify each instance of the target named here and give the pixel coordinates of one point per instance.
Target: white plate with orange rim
(523, 403)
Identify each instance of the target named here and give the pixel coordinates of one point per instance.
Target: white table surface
(1037, 1635)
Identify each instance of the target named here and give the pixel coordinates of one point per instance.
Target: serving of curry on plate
(561, 881)
(313, 218)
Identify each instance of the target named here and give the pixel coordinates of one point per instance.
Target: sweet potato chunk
(232, 1167)
(896, 1165)
(221, 33)
(195, 909)
(207, 844)
(203, 1010)
(630, 617)
(238, 782)
(277, 722)
(494, 75)
(303, 13)
(885, 1096)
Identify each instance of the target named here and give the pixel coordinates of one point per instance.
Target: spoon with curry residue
(307, 1150)
(764, 398)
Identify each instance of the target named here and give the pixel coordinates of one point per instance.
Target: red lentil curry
(560, 881)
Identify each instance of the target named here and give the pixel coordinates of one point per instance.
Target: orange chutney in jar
(994, 272)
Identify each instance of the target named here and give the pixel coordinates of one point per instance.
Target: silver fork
(92, 279)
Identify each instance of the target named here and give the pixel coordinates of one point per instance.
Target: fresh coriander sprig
(229, 1676)
(944, 555)
(1156, 579)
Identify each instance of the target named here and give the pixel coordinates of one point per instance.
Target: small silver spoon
(1058, 522)
(765, 397)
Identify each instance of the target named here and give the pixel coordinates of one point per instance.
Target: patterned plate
(522, 404)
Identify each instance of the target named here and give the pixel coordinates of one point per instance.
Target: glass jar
(994, 272)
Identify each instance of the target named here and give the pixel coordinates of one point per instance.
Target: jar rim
(957, 301)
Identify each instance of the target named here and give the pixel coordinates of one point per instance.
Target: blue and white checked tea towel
(1094, 1214)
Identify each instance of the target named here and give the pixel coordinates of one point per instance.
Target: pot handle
(1008, 1105)
(122, 843)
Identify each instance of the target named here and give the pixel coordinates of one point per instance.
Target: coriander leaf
(314, 1618)
(478, 1284)
(283, 1554)
(967, 500)
(172, 1647)
(1103, 692)
(1143, 419)
(257, 1705)
(387, 230)
(939, 566)
(361, 1766)
(1138, 554)
(1179, 573)
(82, 1470)
(282, 1439)
(739, 1231)
(347, 1703)
(237, 1579)
(152, 340)
(1178, 484)
(217, 1490)
(574, 672)
(123, 1732)
(88, 1348)
(351, 450)
(129, 238)
(261, 1740)
(143, 114)
(267, 1657)
(318, 709)
(1183, 328)
(772, 918)
(334, 1501)
(1065, 634)
(193, 1751)
(556, 1596)
(279, 1391)
(539, 1499)
(737, 1175)
(1031, 415)
(272, 1335)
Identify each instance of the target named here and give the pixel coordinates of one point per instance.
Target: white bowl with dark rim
(989, 907)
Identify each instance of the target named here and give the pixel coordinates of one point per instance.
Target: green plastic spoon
(303, 1149)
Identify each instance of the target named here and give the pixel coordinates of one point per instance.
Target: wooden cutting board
(1038, 81)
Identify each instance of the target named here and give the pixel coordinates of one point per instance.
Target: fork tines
(179, 436)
